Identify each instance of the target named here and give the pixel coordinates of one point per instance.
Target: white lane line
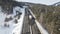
(31, 30)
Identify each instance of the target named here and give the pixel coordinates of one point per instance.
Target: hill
(48, 16)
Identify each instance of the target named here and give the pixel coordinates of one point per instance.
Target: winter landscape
(29, 17)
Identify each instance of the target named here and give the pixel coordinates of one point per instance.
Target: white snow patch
(13, 28)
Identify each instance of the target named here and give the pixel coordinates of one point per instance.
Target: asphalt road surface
(29, 26)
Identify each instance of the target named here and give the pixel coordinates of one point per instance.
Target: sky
(47, 2)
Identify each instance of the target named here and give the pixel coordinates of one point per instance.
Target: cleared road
(27, 28)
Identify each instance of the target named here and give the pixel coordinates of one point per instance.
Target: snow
(42, 30)
(40, 27)
(13, 28)
(18, 28)
(46, 2)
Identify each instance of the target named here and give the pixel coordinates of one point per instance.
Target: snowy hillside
(56, 4)
(12, 23)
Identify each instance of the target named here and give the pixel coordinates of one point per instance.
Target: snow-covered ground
(13, 28)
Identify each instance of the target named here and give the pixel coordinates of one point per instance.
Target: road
(27, 24)
(27, 28)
